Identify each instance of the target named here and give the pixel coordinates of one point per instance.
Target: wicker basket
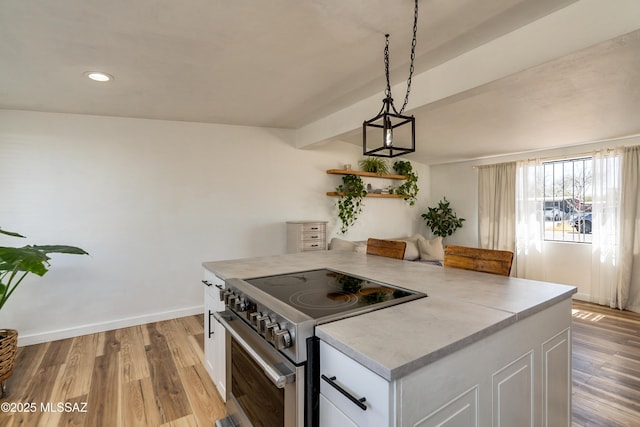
(8, 351)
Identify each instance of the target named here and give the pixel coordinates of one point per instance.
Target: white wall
(150, 201)
(566, 263)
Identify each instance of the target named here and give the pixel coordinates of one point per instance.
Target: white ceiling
(289, 63)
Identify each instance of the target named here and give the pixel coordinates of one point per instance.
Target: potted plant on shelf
(442, 220)
(375, 165)
(351, 193)
(409, 189)
(15, 265)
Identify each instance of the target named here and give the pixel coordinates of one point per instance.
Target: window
(567, 198)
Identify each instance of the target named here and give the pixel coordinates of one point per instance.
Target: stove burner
(285, 280)
(319, 299)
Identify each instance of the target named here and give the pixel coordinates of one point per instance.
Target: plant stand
(8, 352)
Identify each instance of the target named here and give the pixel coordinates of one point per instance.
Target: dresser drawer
(312, 235)
(313, 245)
(313, 228)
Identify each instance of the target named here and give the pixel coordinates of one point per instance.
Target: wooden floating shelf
(362, 173)
(380, 195)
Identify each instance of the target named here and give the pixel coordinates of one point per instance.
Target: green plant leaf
(61, 249)
(10, 233)
(24, 259)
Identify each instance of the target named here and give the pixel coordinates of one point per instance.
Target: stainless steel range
(272, 361)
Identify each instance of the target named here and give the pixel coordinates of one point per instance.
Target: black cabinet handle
(210, 330)
(358, 402)
(206, 282)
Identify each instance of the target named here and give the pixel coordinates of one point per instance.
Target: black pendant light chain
(387, 91)
(413, 55)
(381, 135)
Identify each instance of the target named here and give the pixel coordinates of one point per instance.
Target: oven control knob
(272, 328)
(240, 304)
(231, 301)
(282, 339)
(253, 318)
(262, 323)
(227, 295)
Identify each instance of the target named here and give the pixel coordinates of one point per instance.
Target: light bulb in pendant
(388, 133)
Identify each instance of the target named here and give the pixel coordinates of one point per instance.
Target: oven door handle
(278, 378)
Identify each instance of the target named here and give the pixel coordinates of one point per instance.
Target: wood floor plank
(104, 394)
(202, 394)
(184, 354)
(79, 366)
(192, 325)
(172, 401)
(188, 421)
(75, 418)
(132, 357)
(139, 404)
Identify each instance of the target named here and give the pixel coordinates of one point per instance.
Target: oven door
(264, 388)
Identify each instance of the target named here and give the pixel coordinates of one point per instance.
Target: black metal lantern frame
(394, 141)
(384, 128)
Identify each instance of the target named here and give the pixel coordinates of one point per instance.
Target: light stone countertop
(462, 306)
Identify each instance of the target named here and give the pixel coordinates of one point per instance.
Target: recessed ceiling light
(99, 76)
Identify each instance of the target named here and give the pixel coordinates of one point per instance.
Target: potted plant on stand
(15, 265)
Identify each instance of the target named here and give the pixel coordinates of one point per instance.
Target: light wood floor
(152, 375)
(606, 367)
(149, 375)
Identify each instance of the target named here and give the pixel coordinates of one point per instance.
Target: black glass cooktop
(322, 293)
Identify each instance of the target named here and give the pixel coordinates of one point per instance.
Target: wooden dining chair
(485, 260)
(387, 248)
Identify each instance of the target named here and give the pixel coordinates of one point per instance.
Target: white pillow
(431, 250)
(360, 247)
(412, 252)
(341, 245)
(337, 244)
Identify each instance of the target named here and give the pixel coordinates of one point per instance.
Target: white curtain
(627, 295)
(497, 206)
(529, 259)
(605, 245)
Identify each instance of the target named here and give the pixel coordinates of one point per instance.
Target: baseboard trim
(93, 328)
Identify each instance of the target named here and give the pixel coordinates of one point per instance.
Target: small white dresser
(305, 236)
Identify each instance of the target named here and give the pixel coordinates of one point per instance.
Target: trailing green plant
(351, 192)
(409, 188)
(442, 220)
(17, 263)
(375, 165)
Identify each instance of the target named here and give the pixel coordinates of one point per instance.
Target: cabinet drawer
(313, 245)
(313, 228)
(357, 381)
(312, 235)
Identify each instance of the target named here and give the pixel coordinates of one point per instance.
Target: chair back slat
(485, 260)
(386, 248)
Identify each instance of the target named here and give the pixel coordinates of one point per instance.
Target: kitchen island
(481, 349)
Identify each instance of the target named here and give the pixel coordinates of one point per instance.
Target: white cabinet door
(214, 334)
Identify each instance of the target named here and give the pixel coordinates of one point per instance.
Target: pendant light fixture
(391, 133)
